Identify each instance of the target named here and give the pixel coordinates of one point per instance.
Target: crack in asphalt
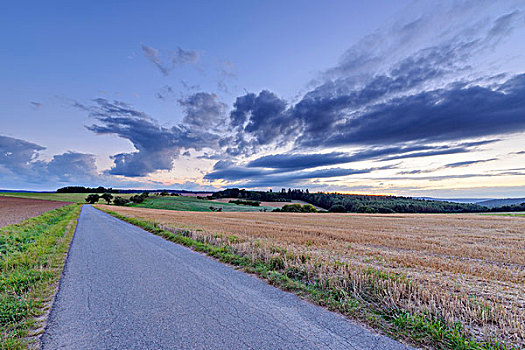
(126, 288)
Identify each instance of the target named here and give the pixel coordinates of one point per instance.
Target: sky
(413, 98)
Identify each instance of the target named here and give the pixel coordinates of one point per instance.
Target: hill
(493, 203)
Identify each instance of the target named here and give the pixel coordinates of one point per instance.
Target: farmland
(435, 279)
(191, 203)
(60, 197)
(14, 210)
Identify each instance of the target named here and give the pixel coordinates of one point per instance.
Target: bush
(92, 198)
(292, 208)
(308, 208)
(137, 199)
(120, 200)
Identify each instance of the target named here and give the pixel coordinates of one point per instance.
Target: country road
(124, 288)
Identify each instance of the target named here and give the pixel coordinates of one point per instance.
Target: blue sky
(411, 98)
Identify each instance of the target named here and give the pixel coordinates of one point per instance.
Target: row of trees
(118, 200)
(337, 202)
(82, 189)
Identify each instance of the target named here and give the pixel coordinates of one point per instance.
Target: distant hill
(456, 200)
(493, 203)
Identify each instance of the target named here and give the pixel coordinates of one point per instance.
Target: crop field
(60, 197)
(435, 279)
(192, 203)
(14, 210)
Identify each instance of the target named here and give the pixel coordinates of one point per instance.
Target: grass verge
(364, 298)
(32, 257)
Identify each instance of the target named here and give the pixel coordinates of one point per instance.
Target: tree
(92, 198)
(120, 201)
(137, 199)
(107, 197)
(338, 208)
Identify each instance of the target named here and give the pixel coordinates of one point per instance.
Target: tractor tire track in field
(125, 288)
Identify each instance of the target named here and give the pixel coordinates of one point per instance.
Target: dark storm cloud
(179, 57)
(18, 158)
(157, 146)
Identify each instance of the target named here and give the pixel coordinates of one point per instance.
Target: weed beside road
(446, 282)
(31, 261)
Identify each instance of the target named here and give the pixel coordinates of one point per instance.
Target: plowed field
(14, 210)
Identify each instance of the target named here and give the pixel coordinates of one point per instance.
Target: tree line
(82, 189)
(338, 202)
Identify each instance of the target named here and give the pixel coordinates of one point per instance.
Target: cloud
(153, 56)
(184, 56)
(311, 160)
(19, 160)
(258, 120)
(302, 177)
(393, 87)
(166, 93)
(203, 111)
(72, 167)
(450, 114)
(35, 105)
(469, 162)
(17, 155)
(156, 146)
(174, 59)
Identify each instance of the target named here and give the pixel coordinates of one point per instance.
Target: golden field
(465, 268)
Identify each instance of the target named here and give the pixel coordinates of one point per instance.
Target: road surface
(124, 288)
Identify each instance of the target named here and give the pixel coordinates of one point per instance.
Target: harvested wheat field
(465, 268)
(14, 210)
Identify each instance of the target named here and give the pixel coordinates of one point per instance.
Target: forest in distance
(355, 203)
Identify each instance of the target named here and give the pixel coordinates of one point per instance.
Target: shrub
(308, 208)
(292, 208)
(137, 199)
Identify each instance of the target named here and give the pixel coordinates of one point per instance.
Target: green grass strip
(418, 329)
(32, 256)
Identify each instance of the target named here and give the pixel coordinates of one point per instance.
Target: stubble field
(466, 270)
(14, 210)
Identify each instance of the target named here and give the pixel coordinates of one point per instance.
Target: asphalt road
(124, 288)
